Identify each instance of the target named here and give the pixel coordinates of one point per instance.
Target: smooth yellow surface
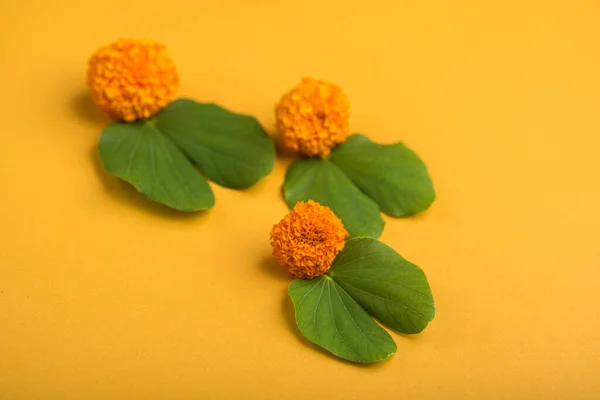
(104, 295)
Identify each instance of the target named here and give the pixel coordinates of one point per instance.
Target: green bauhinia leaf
(392, 175)
(141, 155)
(391, 289)
(330, 318)
(320, 180)
(231, 149)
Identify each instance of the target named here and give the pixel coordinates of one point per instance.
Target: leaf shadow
(126, 194)
(282, 194)
(420, 216)
(257, 188)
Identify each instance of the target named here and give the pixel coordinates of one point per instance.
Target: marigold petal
(313, 117)
(308, 239)
(132, 79)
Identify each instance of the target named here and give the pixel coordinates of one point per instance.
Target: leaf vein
(389, 300)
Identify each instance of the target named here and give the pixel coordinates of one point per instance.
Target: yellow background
(104, 295)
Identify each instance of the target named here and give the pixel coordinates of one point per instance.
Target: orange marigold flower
(307, 240)
(313, 117)
(132, 79)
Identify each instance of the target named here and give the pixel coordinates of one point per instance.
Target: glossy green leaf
(320, 180)
(391, 289)
(392, 175)
(230, 149)
(330, 318)
(141, 155)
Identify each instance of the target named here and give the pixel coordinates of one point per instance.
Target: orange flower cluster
(132, 79)
(312, 118)
(307, 240)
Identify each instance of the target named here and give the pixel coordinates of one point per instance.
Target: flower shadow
(84, 108)
(284, 156)
(126, 194)
(271, 267)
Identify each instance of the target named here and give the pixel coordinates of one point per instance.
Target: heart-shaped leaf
(230, 149)
(320, 180)
(367, 279)
(392, 175)
(391, 289)
(141, 155)
(330, 318)
(154, 156)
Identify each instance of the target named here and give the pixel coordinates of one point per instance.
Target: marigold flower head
(313, 117)
(132, 79)
(307, 240)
